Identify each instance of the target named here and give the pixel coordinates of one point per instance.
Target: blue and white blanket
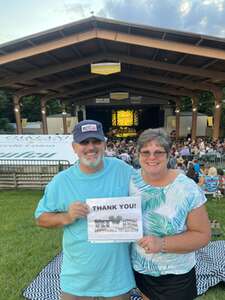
(210, 270)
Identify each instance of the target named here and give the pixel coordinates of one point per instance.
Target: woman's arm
(198, 234)
(201, 180)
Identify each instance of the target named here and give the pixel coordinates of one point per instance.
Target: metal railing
(29, 173)
(215, 160)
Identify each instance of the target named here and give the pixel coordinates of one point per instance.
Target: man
(88, 270)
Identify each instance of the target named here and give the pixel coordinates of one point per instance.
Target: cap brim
(90, 136)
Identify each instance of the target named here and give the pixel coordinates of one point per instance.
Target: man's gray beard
(92, 164)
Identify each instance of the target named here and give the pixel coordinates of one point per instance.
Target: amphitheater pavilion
(152, 69)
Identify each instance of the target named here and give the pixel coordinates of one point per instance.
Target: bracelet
(163, 245)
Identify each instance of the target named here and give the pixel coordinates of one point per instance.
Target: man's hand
(76, 210)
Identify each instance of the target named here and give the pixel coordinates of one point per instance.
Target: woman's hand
(151, 244)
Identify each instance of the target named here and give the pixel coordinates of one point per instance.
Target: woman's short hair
(212, 171)
(157, 134)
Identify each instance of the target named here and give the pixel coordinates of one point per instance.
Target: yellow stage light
(119, 95)
(105, 68)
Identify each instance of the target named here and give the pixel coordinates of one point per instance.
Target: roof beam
(79, 90)
(123, 58)
(127, 102)
(143, 41)
(55, 85)
(178, 82)
(126, 83)
(132, 39)
(163, 90)
(49, 70)
(167, 66)
(49, 46)
(27, 76)
(133, 91)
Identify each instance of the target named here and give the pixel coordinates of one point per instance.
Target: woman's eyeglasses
(156, 154)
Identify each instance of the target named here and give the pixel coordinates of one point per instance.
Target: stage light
(105, 68)
(119, 95)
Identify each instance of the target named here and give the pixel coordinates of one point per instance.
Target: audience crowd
(203, 160)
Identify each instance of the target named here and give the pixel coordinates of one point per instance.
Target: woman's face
(153, 158)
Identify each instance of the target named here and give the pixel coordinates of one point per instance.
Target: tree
(5, 126)
(30, 107)
(205, 103)
(6, 106)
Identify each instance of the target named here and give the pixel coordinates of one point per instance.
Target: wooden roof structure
(159, 64)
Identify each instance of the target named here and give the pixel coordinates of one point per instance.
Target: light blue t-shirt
(90, 269)
(165, 211)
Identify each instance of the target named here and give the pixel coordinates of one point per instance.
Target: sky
(19, 18)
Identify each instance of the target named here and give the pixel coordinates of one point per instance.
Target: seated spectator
(184, 151)
(196, 166)
(172, 162)
(211, 181)
(180, 165)
(125, 157)
(191, 173)
(221, 175)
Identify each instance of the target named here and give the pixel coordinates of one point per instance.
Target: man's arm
(76, 210)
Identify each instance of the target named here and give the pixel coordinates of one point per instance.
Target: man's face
(90, 152)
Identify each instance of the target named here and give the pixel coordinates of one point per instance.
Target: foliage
(54, 107)
(6, 106)
(30, 107)
(205, 103)
(5, 127)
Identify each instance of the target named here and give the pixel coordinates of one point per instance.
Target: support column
(177, 111)
(217, 114)
(65, 131)
(44, 116)
(167, 112)
(16, 103)
(76, 110)
(84, 112)
(194, 100)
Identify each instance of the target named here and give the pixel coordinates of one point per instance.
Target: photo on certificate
(117, 219)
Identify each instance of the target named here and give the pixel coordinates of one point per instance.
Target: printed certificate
(117, 219)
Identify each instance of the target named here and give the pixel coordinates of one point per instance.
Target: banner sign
(102, 100)
(37, 147)
(117, 219)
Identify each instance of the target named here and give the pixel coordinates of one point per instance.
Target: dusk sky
(20, 18)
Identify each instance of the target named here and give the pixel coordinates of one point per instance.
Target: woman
(211, 181)
(175, 223)
(191, 173)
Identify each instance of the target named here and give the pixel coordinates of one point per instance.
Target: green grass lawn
(25, 248)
